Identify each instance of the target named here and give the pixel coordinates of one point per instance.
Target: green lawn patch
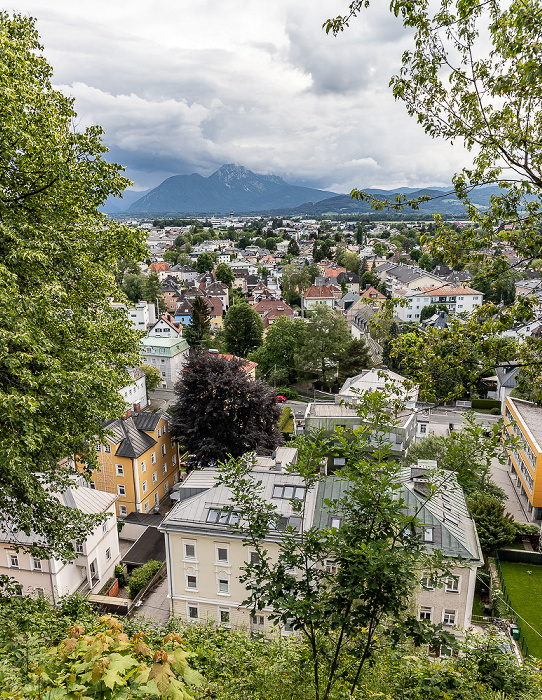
(524, 586)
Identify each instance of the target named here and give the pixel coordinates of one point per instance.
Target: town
(283, 452)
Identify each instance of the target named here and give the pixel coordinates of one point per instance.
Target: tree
(345, 586)
(64, 349)
(432, 309)
(205, 262)
(198, 332)
(243, 329)
(351, 261)
(495, 527)
(152, 377)
(221, 411)
(380, 249)
(326, 340)
(426, 262)
(416, 254)
(355, 358)
(224, 273)
(293, 248)
(276, 357)
(296, 278)
(472, 76)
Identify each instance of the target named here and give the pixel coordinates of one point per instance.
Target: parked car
(281, 398)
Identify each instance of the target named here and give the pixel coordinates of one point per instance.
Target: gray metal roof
(506, 374)
(133, 440)
(148, 420)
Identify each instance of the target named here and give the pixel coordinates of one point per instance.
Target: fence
(521, 639)
(520, 556)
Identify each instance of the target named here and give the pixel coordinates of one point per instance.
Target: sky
(184, 86)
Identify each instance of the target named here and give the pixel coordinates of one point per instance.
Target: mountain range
(235, 188)
(230, 188)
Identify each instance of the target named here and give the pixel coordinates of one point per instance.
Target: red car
(281, 398)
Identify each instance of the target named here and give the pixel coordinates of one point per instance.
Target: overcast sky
(183, 86)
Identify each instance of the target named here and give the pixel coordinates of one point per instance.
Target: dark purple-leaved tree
(222, 411)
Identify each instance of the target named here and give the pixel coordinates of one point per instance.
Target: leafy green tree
(380, 249)
(198, 332)
(64, 349)
(326, 341)
(152, 377)
(355, 358)
(351, 261)
(243, 329)
(495, 527)
(296, 278)
(416, 254)
(224, 273)
(133, 285)
(293, 248)
(205, 262)
(426, 262)
(221, 411)
(276, 357)
(361, 600)
(432, 309)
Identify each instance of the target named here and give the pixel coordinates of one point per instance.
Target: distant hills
(230, 188)
(235, 188)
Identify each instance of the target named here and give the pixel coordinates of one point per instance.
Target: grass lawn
(525, 591)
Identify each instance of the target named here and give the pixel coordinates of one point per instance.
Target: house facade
(524, 420)
(139, 462)
(165, 348)
(456, 299)
(96, 557)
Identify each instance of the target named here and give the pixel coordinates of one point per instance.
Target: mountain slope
(231, 188)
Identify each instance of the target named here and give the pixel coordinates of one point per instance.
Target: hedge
(286, 392)
(141, 576)
(486, 403)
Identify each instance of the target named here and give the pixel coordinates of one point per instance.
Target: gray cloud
(186, 87)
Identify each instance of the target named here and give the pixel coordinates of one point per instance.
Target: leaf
(161, 673)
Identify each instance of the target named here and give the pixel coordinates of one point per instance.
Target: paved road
(157, 604)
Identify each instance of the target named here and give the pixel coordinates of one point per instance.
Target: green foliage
(224, 273)
(327, 338)
(293, 248)
(486, 403)
(152, 377)
(119, 573)
(243, 329)
(276, 357)
(141, 576)
(198, 332)
(62, 344)
(288, 393)
(354, 359)
(495, 527)
(296, 278)
(205, 262)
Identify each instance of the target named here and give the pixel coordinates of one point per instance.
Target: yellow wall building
(524, 420)
(139, 462)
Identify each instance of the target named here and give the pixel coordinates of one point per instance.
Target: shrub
(495, 411)
(141, 576)
(287, 392)
(486, 403)
(119, 573)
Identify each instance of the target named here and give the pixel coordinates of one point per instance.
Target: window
(121, 490)
(335, 521)
(163, 450)
(254, 558)
(164, 429)
(452, 585)
(120, 469)
(159, 432)
(222, 516)
(154, 477)
(289, 626)
(222, 554)
(153, 458)
(146, 506)
(423, 428)
(144, 486)
(191, 581)
(143, 467)
(448, 617)
(331, 566)
(166, 487)
(79, 548)
(427, 583)
(164, 468)
(92, 485)
(289, 492)
(428, 534)
(258, 620)
(107, 448)
(108, 554)
(14, 561)
(225, 618)
(426, 613)
(174, 460)
(40, 593)
(123, 510)
(104, 527)
(193, 613)
(36, 565)
(189, 551)
(223, 585)
(156, 498)
(98, 448)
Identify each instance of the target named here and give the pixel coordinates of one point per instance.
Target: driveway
(156, 604)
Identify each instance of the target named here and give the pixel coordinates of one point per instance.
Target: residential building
(165, 348)
(141, 315)
(524, 420)
(271, 309)
(135, 393)
(162, 269)
(316, 295)
(53, 578)
(399, 276)
(377, 379)
(456, 299)
(139, 462)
